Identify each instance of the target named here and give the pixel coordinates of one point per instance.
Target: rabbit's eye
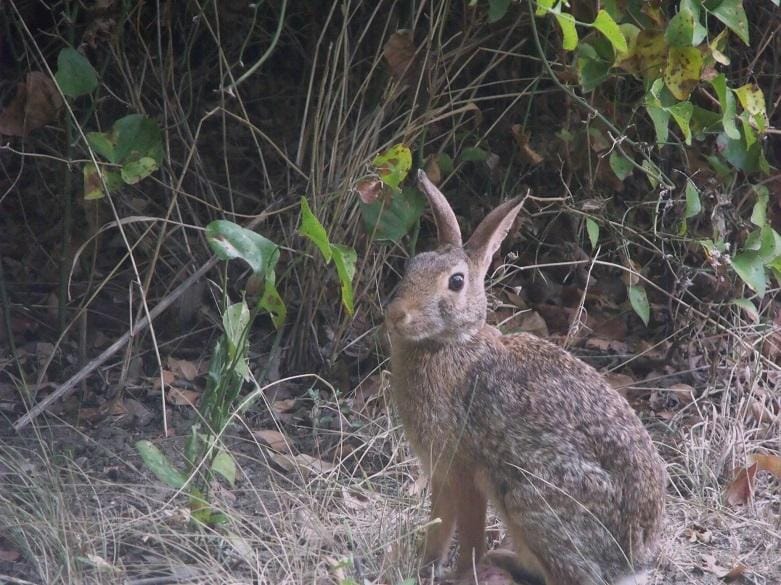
(456, 282)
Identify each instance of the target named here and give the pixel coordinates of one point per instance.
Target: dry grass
(360, 520)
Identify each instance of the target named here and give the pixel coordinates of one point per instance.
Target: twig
(66, 388)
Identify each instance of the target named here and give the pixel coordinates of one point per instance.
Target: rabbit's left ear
(488, 236)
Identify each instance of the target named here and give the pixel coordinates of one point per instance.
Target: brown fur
(517, 420)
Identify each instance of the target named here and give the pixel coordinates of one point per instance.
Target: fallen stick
(66, 388)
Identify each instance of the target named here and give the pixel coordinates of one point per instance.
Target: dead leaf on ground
(182, 397)
(698, 534)
(399, 52)
(528, 154)
(36, 103)
(167, 376)
(303, 462)
(274, 439)
(286, 405)
(741, 489)
(183, 368)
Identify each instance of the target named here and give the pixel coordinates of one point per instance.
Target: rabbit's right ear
(447, 225)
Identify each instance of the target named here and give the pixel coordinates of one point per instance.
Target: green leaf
(235, 322)
(759, 212)
(727, 102)
(732, 14)
(747, 159)
(393, 165)
(620, 165)
(693, 205)
(192, 446)
(605, 24)
(312, 228)
(749, 267)
(568, 31)
(592, 68)
(497, 9)
(682, 113)
(271, 301)
(159, 464)
(592, 228)
(224, 465)
(661, 119)
(102, 144)
(680, 30)
(391, 219)
(543, 6)
(682, 74)
(75, 75)
(135, 170)
(639, 302)
(445, 163)
(748, 307)
(473, 154)
(136, 136)
(345, 259)
(228, 240)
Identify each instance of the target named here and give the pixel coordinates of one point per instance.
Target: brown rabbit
(517, 420)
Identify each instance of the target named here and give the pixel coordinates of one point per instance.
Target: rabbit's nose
(397, 314)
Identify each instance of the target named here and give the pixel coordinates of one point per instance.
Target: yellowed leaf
(682, 74)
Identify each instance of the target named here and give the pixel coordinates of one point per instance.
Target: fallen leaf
(741, 489)
(711, 565)
(527, 152)
(36, 103)
(274, 439)
(399, 52)
(181, 397)
(768, 462)
(285, 405)
(183, 368)
(735, 573)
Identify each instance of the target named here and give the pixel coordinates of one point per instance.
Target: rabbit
(516, 420)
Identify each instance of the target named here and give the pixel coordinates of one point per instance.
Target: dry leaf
(527, 152)
(740, 489)
(735, 573)
(274, 439)
(281, 406)
(768, 462)
(432, 169)
(36, 103)
(181, 397)
(709, 564)
(369, 190)
(399, 52)
(183, 368)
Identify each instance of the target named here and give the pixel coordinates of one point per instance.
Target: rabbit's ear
(447, 224)
(488, 236)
